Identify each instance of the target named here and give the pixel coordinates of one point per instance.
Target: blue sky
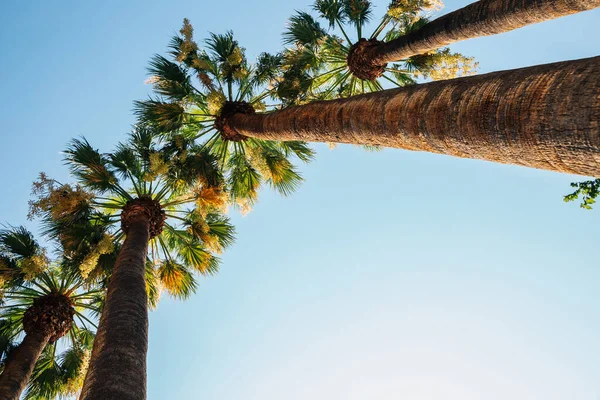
(389, 275)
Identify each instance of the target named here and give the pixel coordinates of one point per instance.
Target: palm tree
(55, 304)
(337, 64)
(482, 18)
(226, 83)
(22, 259)
(542, 117)
(165, 198)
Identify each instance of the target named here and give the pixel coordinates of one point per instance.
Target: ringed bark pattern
(482, 18)
(546, 116)
(117, 369)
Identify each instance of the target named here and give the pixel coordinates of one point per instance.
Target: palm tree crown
(177, 183)
(227, 84)
(61, 306)
(340, 66)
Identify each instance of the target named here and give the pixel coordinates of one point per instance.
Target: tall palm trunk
(20, 365)
(482, 18)
(117, 369)
(546, 116)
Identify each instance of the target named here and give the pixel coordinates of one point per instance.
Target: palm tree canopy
(226, 83)
(340, 65)
(60, 368)
(179, 178)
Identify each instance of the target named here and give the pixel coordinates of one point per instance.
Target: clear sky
(389, 275)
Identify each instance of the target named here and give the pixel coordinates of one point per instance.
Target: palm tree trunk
(482, 18)
(20, 365)
(117, 369)
(546, 116)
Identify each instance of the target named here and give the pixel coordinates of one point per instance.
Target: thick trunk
(482, 18)
(20, 365)
(547, 117)
(117, 369)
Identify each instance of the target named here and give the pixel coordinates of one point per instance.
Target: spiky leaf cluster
(60, 369)
(197, 89)
(330, 49)
(181, 176)
(21, 257)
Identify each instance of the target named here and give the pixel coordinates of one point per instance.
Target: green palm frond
(303, 30)
(164, 115)
(280, 172)
(331, 10)
(89, 166)
(176, 279)
(18, 242)
(299, 149)
(21, 257)
(170, 79)
(125, 162)
(192, 252)
(268, 68)
(222, 46)
(357, 12)
(201, 165)
(244, 180)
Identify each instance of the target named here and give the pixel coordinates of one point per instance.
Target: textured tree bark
(547, 117)
(117, 369)
(20, 365)
(482, 18)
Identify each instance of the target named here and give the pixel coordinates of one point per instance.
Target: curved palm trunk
(20, 365)
(117, 369)
(482, 18)
(547, 117)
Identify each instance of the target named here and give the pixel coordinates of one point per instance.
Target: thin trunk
(117, 369)
(20, 365)
(482, 18)
(547, 117)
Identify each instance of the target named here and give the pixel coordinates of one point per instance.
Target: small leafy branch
(588, 190)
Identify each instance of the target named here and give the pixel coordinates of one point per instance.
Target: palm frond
(176, 279)
(167, 117)
(89, 166)
(331, 10)
(244, 180)
(303, 30)
(358, 12)
(18, 242)
(169, 78)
